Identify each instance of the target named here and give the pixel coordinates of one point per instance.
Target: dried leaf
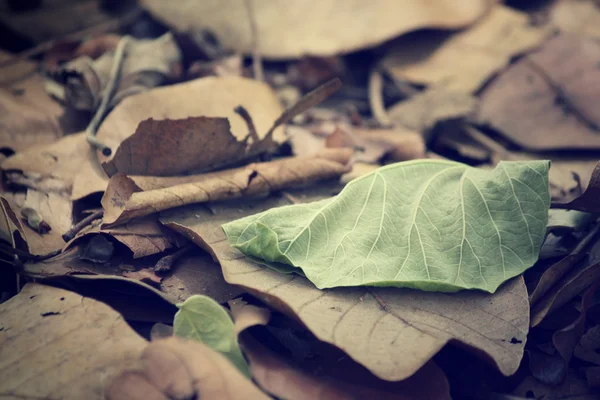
(146, 64)
(377, 326)
(588, 201)
(55, 210)
(197, 273)
(43, 327)
(246, 315)
(580, 277)
(309, 28)
(146, 275)
(172, 147)
(283, 380)
(547, 93)
(123, 201)
(437, 231)
(464, 61)
(422, 111)
(588, 348)
(208, 97)
(579, 16)
(51, 168)
(143, 236)
(183, 369)
(202, 319)
(573, 388)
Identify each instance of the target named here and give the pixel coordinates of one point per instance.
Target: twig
(256, 57)
(71, 233)
(376, 97)
(115, 75)
(242, 112)
(307, 101)
(108, 26)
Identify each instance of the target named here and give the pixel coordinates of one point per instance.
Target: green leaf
(426, 224)
(203, 319)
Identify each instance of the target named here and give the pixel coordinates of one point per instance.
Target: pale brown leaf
(547, 93)
(176, 368)
(124, 201)
(392, 332)
(56, 344)
(208, 97)
(464, 61)
(317, 27)
(577, 16)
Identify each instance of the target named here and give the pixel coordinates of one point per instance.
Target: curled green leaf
(427, 224)
(203, 319)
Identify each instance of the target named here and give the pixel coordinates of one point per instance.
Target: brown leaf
(344, 380)
(123, 201)
(343, 33)
(583, 275)
(422, 111)
(547, 93)
(557, 270)
(588, 201)
(51, 168)
(172, 147)
(573, 388)
(143, 236)
(145, 275)
(197, 273)
(55, 210)
(146, 64)
(580, 17)
(374, 326)
(588, 346)
(45, 345)
(208, 97)
(28, 115)
(183, 369)
(464, 61)
(246, 315)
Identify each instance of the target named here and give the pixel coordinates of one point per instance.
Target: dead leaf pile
(214, 111)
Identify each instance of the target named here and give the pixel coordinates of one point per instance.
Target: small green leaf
(203, 319)
(426, 224)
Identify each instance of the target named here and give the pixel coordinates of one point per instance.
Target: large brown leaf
(176, 368)
(208, 97)
(313, 27)
(580, 16)
(392, 332)
(124, 201)
(547, 93)
(464, 61)
(56, 344)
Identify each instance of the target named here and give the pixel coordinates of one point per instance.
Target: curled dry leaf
(183, 369)
(392, 332)
(147, 63)
(308, 27)
(124, 201)
(579, 16)
(143, 236)
(208, 97)
(547, 93)
(422, 111)
(43, 326)
(588, 201)
(51, 209)
(579, 277)
(464, 61)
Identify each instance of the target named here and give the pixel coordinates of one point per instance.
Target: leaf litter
(216, 121)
